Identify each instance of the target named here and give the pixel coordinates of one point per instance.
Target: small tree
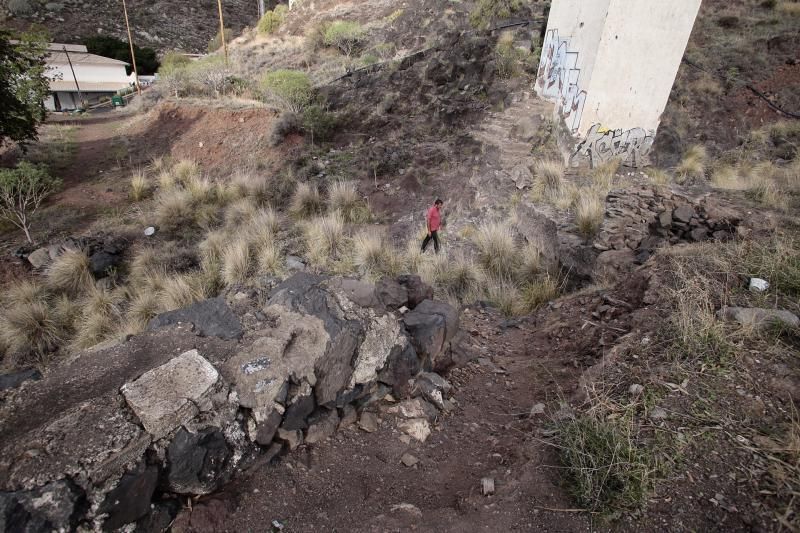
(22, 190)
(212, 72)
(23, 86)
(173, 74)
(290, 90)
(272, 20)
(345, 35)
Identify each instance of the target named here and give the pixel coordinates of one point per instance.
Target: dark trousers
(432, 237)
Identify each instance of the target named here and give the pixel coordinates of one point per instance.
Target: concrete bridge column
(608, 66)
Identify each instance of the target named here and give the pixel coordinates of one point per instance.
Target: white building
(609, 66)
(96, 76)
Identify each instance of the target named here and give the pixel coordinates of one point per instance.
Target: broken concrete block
(172, 394)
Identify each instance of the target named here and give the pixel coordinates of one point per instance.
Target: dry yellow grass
(29, 327)
(100, 317)
(178, 291)
(375, 257)
(693, 164)
(269, 258)
(306, 201)
(236, 261)
(496, 249)
(173, 208)
(589, 212)
(69, 273)
(539, 292)
(549, 174)
(789, 8)
(325, 238)
(728, 177)
(184, 170)
(239, 213)
(140, 185)
(343, 197)
(657, 175)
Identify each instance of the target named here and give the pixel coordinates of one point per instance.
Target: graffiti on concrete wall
(602, 144)
(558, 78)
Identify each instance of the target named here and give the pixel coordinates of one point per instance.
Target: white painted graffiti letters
(558, 78)
(602, 144)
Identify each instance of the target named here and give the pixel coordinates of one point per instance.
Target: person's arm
(428, 222)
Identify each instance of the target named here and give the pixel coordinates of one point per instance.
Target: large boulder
(210, 317)
(168, 396)
(431, 326)
(418, 290)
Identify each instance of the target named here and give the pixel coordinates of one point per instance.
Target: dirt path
(356, 481)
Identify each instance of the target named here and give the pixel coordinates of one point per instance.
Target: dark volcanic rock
(391, 293)
(51, 507)
(418, 290)
(298, 412)
(197, 461)
(403, 364)
(210, 317)
(15, 379)
(130, 500)
(431, 326)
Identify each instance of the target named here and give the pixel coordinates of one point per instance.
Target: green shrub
(345, 35)
(216, 43)
(488, 10)
(509, 59)
(291, 90)
(270, 22)
(319, 122)
(607, 471)
(172, 61)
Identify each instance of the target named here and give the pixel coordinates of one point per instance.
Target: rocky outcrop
(176, 410)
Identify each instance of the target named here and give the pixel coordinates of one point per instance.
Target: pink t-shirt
(434, 219)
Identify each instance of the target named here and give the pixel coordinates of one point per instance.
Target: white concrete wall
(640, 51)
(88, 73)
(569, 51)
(609, 67)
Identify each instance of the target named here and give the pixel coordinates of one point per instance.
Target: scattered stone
(417, 428)
(431, 325)
(408, 459)
(349, 416)
(433, 387)
(406, 508)
(658, 413)
(39, 258)
(102, 263)
(266, 429)
(415, 408)
(197, 461)
(172, 394)
(322, 426)
(149, 231)
(402, 366)
(758, 284)
(635, 389)
(294, 264)
(759, 318)
(130, 500)
(368, 422)
(683, 214)
(15, 379)
(537, 409)
(298, 412)
(211, 318)
(291, 438)
(487, 486)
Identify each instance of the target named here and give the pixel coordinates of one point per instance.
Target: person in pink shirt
(434, 222)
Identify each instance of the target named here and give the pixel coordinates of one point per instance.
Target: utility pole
(222, 31)
(130, 42)
(260, 9)
(74, 77)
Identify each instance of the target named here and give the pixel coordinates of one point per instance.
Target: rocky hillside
(155, 23)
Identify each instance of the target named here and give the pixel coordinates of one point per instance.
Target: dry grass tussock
(325, 239)
(693, 165)
(306, 201)
(30, 327)
(270, 259)
(789, 8)
(69, 273)
(23, 292)
(240, 213)
(100, 317)
(180, 290)
(237, 261)
(603, 175)
(456, 276)
(343, 196)
(141, 309)
(549, 174)
(252, 185)
(263, 227)
(589, 212)
(375, 257)
(657, 175)
(496, 249)
(538, 292)
(174, 209)
(140, 185)
(185, 170)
